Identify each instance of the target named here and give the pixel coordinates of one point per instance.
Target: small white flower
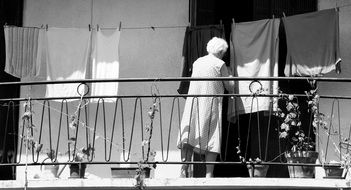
(284, 126)
(292, 115)
(144, 142)
(283, 134)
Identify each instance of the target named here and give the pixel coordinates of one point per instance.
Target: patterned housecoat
(202, 116)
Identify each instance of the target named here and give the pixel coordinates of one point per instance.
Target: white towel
(312, 41)
(23, 51)
(68, 53)
(105, 63)
(254, 53)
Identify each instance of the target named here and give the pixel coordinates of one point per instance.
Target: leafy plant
(290, 117)
(80, 154)
(29, 127)
(144, 166)
(51, 154)
(346, 160)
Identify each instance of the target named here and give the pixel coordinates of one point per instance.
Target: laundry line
(98, 27)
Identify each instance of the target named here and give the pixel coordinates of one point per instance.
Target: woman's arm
(228, 84)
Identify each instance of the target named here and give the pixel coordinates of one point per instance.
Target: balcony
(119, 132)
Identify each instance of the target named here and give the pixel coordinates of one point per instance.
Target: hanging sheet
(254, 53)
(67, 57)
(105, 63)
(312, 43)
(23, 51)
(195, 42)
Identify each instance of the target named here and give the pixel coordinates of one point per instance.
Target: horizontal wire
(177, 79)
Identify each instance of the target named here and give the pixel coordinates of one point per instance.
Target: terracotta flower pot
(334, 172)
(77, 170)
(300, 157)
(258, 170)
(50, 171)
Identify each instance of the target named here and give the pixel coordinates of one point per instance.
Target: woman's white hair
(216, 45)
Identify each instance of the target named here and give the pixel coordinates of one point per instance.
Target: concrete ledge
(181, 183)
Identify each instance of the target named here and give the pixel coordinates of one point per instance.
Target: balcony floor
(180, 183)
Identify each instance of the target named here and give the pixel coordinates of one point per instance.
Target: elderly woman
(202, 117)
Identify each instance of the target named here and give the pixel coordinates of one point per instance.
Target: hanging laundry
(105, 63)
(195, 41)
(23, 51)
(312, 43)
(67, 57)
(254, 53)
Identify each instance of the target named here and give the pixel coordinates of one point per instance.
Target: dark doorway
(209, 12)
(11, 13)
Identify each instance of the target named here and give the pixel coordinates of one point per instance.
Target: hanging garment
(312, 43)
(23, 51)
(195, 42)
(201, 124)
(105, 63)
(254, 53)
(67, 57)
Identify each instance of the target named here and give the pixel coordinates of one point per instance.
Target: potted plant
(77, 167)
(334, 170)
(256, 169)
(52, 170)
(339, 169)
(300, 147)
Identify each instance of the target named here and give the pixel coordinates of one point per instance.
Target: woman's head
(217, 47)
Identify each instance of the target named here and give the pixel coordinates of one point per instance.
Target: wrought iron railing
(122, 137)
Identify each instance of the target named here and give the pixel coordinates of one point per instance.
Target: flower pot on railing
(50, 171)
(334, 171)
(77, 170)
(301, 157)
(257, 170)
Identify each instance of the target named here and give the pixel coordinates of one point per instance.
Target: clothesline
(139, 27)
(109, 28)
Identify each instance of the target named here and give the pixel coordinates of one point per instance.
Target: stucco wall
(144, 52)
(157, 53)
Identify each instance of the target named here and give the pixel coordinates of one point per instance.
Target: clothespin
(273, 16)
(46, 27)
(89, 27)
(120, 26)
(97, 27)
(233, 20)
(284, 15)
(220, 22)
(153, 28)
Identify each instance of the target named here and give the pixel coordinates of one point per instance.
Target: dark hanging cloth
(195, 42)
(312, 43)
